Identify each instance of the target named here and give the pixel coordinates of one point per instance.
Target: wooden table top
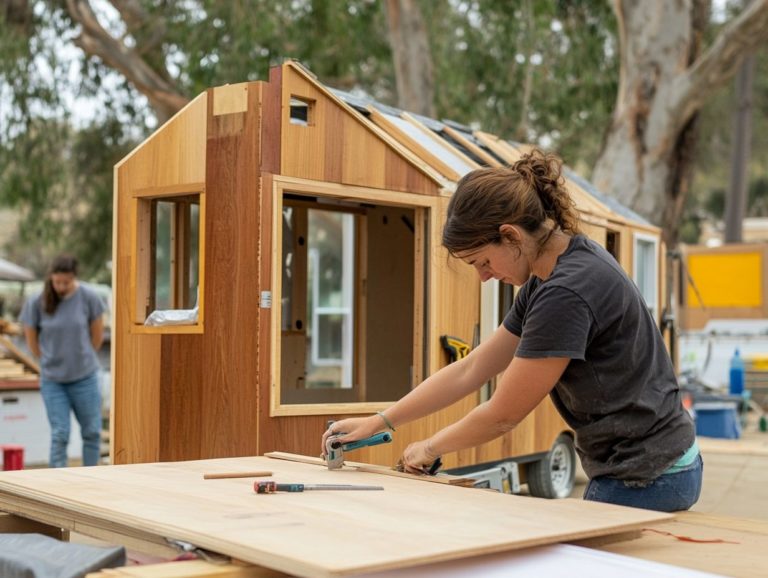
(313, 533)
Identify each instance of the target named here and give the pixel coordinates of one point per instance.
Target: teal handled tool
(334, 449)
(270, 487)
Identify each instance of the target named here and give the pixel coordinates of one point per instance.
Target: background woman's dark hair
(61, 264)
(530, 194)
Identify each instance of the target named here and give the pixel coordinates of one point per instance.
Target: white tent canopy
(12, 272)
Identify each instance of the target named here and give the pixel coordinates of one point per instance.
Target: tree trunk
(521, 132)
(736, 201)
(664, 80)
(412, 58)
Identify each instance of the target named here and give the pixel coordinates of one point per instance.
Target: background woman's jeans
(667, 493)
(84, 398)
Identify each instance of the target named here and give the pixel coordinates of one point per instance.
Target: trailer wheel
(553, 476)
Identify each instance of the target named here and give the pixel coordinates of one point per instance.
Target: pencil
(222, 475)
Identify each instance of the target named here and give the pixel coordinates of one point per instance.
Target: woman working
(579, 331)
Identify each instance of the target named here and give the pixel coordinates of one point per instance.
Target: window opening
(330, 304)
(301, 111)
(646, 273)
(347, 294)
(168, 251)
(612, 244)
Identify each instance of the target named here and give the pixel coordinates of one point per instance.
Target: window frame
(281, 186)
(636, 239)
(141, 256)
(299, 308)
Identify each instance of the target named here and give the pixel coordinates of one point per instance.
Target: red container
(13, 457)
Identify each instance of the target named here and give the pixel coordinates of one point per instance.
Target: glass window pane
(329, 333)
(330, 298)
(194, 255)
(288, 270)
(645, 271)
(163, 254)
(326, 239)
(176, 236)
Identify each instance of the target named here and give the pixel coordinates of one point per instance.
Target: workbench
(412, 526)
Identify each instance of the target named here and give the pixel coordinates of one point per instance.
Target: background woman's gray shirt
(619, 392)
(67, 353)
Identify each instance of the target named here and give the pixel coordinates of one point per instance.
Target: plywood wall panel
(335, 144)
(397, 179)
(271, 118)
(363, 156)
(389, 296)
(174, 155)
(181, 402)
(228, 387)
(338, 146)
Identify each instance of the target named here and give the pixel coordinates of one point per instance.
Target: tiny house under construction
(292, 234)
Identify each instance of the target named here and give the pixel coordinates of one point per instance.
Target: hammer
(334, 449)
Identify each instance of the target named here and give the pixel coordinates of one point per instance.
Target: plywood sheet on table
(314, 533)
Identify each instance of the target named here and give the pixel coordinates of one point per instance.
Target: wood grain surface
(310, 533)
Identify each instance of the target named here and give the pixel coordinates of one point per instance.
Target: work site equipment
(334, 449)
(270, 487)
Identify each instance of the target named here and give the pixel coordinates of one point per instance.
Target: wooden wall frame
(141, 268)
(423, 205)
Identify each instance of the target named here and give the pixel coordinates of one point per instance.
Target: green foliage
(343, 42)
(483, 48)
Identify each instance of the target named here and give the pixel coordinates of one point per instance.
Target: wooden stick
(374, 469)
(223, 475)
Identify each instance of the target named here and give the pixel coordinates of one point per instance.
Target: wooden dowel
(235, 475)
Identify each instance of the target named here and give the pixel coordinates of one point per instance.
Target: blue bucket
(717, 420)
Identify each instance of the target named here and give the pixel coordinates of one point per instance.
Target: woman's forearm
(97, 333)
(479, 426)
(457, 380)
(32, 341)
(518, 392)
(440, 390)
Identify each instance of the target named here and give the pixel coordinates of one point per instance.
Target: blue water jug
(737, 374)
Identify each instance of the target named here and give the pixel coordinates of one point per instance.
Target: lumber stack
(17, 369)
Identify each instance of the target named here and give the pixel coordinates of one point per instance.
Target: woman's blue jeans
(667, 493)
(84, 398)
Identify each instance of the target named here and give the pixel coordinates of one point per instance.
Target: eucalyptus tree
(666, 76)
(540, 72)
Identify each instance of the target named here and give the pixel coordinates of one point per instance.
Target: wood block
(187, 569)
(10, 524)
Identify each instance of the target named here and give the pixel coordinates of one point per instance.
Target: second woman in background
(64, 328)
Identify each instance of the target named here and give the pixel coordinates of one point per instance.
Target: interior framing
(425, 209)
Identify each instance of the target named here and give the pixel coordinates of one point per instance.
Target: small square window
(302, 110)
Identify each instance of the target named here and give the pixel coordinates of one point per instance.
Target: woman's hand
(353, 429)
(418, 457)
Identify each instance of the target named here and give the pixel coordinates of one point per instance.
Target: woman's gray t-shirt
(619, 392)
(66, 350)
